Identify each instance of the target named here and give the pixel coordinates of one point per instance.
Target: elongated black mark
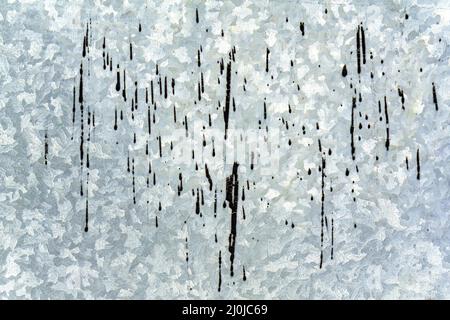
(215, 203)
(232, 195)
(80, 94)
(45, 148)
(136, 95)
(322, 212)
(124, 91)
(332, 238)
(86, 226)
(115, 119)
(386, 116)
(133, 181)
(131, 51)
(227, 98)
(220, 270)
(118, 79)
(180, 186)
(84, 47)
(160, 147)
(418, 164)
(435, 98)
(197, 203)
(187, 250)
(165, 87)
(352, 128)
(208, 176)
(402, 97)
(151, 92)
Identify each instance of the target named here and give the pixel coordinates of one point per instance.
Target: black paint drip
(418, 164)
(232, 195)
(435, 98)
(227, 98)
(386, 116)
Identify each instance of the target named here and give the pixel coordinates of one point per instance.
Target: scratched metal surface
(385, 232)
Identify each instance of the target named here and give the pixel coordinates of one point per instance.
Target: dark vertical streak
(418, 164)
(202, 83)
(174, 114)
(265, 111)
(180, 187)
(386, 116)
(187, 250)
(332, 238)
(151, 91)
(104, 54)
(322, 213)
(115, 119)
(133, 182)
(82, 136)
(197, 203)
(208, 176)
(232, 194)
(86, 226)
(45, 148)
(220, 270)
(165, 87)
(84, 47)
(402, 97)
(124, 91)
(160, 148)
(118, 79)
(352, 128)
(215, 203)
(227, 98)
(136, 94)
(131, 51)
(80, 94)
(435, 98)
